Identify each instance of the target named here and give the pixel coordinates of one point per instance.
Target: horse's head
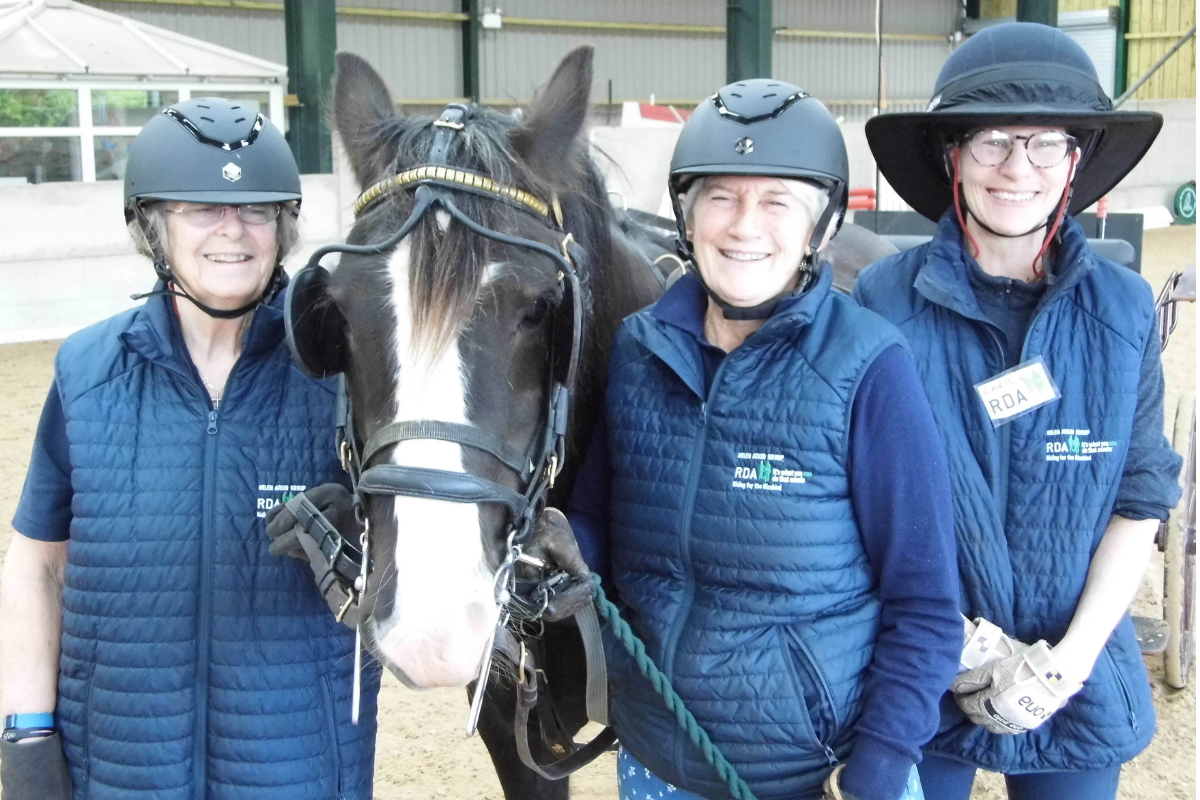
(448, 326)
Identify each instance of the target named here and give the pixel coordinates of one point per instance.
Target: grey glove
(300, 527)
(34, 769)
(1015, 694)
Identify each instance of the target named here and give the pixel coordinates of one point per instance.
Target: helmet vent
(772, 94)
(240, 119)
(208, 119)
(735, 94)
(201, 105)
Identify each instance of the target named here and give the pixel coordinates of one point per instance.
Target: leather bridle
(537, 467)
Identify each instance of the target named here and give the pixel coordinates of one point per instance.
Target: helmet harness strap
(765, 309)
(163, 271)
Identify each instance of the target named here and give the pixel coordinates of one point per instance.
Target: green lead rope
(673, 702)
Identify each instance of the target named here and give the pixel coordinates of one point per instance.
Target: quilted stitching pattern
(278, 668)
(772, 590)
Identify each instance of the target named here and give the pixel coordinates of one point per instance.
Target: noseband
(433, 185)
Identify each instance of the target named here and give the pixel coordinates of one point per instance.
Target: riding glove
(1015, 694)
(34, 769)
(983, 643)
(298, 528)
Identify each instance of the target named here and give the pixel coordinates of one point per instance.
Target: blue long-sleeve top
(901, 495)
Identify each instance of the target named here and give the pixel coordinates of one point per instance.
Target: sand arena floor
(422, 754)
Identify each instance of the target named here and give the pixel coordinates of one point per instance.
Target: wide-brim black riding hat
(1017, 73)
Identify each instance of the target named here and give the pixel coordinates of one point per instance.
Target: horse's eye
(536, 313)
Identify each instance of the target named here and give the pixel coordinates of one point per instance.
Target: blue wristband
(42, 720)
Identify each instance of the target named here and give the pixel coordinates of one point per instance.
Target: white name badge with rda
(1017, 391)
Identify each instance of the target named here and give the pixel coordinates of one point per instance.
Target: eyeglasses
(1044, 150)
(207, 216)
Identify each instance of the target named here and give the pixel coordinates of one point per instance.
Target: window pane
(40, 159)
(254, 102)
(39, 108)
(111, 154)
(131, 107)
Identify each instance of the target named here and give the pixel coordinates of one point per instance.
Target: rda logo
(271, 495)
(766, 471)
(231, 172)
(744, 146)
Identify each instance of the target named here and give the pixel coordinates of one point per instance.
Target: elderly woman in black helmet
(768, 493)
(1041, 361)
(151, 646)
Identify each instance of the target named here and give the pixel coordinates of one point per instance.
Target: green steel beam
(1043, 11)
(310, 29)
(747, 39)
(470, 50)
(1121, 79)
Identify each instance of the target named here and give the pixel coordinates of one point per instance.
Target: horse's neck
(620, 286)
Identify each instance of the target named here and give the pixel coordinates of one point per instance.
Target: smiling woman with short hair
(150, 644)
(1041, 361)
(767, 492)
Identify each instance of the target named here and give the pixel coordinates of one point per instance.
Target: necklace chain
(213, 392)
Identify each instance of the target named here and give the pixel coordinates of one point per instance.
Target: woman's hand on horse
(325, 508)
(553, 542)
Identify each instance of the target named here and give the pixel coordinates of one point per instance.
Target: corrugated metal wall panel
(677, 12)
(517, 60)
(256, 33)
(424, 59)
(416, 59)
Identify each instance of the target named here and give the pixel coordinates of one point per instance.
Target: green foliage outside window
(39, 108)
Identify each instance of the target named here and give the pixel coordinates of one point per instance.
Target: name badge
(1017, 391)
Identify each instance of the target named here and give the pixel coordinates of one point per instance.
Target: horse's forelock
(447, 269)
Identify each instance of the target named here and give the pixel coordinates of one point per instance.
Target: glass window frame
(87, 132)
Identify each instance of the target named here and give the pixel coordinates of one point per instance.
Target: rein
(521, 601)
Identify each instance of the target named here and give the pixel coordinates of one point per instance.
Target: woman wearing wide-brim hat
(1041, 362)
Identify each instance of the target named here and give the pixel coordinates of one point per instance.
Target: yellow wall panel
(1082, 5)
(1154, 26)
(989, 9)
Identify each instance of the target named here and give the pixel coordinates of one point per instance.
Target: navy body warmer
(1033, 498)
(194, 664)
(735, 547)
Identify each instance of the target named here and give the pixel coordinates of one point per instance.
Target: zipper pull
(703, 415)
(212, 422)
(829, 755)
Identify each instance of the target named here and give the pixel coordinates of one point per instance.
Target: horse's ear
(361, 104)
(548, 135)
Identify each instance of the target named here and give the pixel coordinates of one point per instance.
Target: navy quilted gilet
(1033, 497)
(195, 664)
(735, 546)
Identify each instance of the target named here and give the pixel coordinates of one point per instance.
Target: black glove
(554, 543)
(301, 526)
(34, 769)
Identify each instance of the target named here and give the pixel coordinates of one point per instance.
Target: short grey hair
(814, 197)
(146, 238)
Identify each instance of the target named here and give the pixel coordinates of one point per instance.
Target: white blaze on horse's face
(444, 609)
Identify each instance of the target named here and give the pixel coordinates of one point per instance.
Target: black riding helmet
(761, 127)
(209, 150)
(1018, 73)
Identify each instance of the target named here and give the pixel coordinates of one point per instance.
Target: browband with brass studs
(449, 175)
